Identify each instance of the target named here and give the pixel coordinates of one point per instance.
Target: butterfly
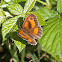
(30, 30)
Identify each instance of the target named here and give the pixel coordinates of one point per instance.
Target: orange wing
(31, 25)
(30, 22)
(26, 36)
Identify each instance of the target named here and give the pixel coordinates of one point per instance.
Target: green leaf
(46, 13)
(51, 40)
(15, 9)
(14, 1)
(19, 45)
(17, 1)
(29, 5)
(8, 26)
(7, 0)
(3, 4)
(52, 2)
(59, 6)
(2, 16)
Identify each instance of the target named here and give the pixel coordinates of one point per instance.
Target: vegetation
(14, 48)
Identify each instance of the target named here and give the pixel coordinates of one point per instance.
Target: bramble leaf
(2, 16)
(19, 45)
(59, 6)
(15, 9)
(29, 5)
(51, 40)
(8, 26)
(46, 13)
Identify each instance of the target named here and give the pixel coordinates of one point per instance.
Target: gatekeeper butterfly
(30, 30)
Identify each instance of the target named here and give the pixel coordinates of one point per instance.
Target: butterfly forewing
(30, 22)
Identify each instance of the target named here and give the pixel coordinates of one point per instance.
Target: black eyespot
(29, 25)
(31, 18)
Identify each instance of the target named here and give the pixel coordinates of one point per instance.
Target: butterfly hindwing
(25, 36)
(37, 32)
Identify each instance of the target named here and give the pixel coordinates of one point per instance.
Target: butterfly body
(31, 30)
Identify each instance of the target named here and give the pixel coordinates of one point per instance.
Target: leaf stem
(42, 2)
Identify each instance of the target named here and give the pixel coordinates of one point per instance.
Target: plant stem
(42, 2)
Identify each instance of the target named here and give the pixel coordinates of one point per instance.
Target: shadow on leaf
(15, 37)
